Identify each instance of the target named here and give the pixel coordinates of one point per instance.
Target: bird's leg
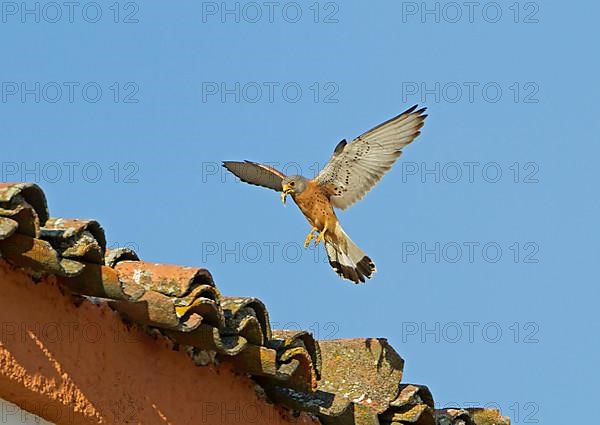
(321, 235)
(309, 237)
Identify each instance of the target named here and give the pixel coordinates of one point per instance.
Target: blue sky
(484, 233)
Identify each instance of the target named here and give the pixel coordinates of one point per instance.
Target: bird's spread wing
(257, 174)
(357, 166)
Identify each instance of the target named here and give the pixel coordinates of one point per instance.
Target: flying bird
(351, 172)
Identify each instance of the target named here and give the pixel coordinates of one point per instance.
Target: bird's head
(292, 185)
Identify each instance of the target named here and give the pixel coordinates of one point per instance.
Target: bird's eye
(292, 184)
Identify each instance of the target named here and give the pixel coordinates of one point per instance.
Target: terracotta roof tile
(330, 408)
(471, 416)
(365, 371)
(113, 256)
(167, 279)
(411, 394)
(27, 195)
(487, 417)
(347, 381)
(419, 414)
(413, 405)
(82, 240)
(209, 338)
(247, 317)
(95, 281)
(37, 256)
(284, 340)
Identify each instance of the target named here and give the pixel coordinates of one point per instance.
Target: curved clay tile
(113, 256)
(247, 317)
(418, 414)
(453, 417)
(209, 338)
(31, 193)
(24, 215)
(367, 370)
(481, 416)
(38, 256)
(167, 279)
(411, 394)
(96, 281)
(76, 239)
(286, 339)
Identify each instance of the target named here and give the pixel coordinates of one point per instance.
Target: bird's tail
(347, 259)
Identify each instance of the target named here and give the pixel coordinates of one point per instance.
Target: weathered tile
(81, 240)
(364, 370)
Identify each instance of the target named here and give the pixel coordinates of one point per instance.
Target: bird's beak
(286, 190)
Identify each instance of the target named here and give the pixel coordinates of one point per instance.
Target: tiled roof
(342, 382)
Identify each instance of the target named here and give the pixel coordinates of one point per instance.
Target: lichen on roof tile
(364, 370)
(167, 279)
(35, 255)
(7, 227)
(417, 414)
(284, 340)
(113, 256)
(96, 281)
(411, 394)
(76, 239)
(29, 193)
(28, 222)
(453, 417)
(247, 317)
(482, 416)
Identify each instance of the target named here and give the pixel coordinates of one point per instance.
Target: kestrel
(351, 172)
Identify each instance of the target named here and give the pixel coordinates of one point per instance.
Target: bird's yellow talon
(321, 236)
(309, 237)
(318, 239)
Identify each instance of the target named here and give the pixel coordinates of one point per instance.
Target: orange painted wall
(82, 365)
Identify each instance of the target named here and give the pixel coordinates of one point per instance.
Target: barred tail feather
(347, 259)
